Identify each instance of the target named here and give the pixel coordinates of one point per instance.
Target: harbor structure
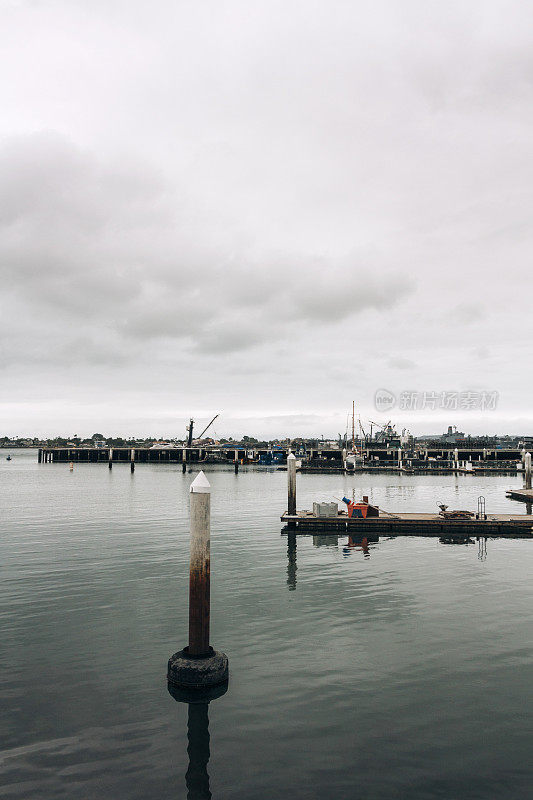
(379, 456)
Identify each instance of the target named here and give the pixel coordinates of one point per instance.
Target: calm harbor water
(401, 672)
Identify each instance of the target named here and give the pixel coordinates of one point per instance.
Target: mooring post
(400, 462)
(199, 572)
(291, 484)
(198, 665)
(236, 460)
(527, 467)
(110, 458)
(132, 459)
(40, 456)
(184, 460)
(456, 459)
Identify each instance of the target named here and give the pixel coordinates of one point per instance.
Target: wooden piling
(236, 459)
(132, 459)
(110, 458)
(527, 468)
(199, 568)
(184, 461)
(40, 456)
(291, 483)
(198, 666)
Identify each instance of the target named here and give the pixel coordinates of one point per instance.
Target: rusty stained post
(110, 458)
(132, 459)
(199, 568)
(184, 460)
(291, 484)
(198, 666)
(527, 468)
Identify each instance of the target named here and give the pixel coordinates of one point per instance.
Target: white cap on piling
(291, 455)
(200, 484)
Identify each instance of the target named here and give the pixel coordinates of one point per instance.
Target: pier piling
(132, 459)
(198, 665)
(236, 459)
(527, 468)
(110, 458)
(291, 483)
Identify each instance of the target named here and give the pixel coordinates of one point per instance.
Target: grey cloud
(399, 362)
(467, 313)
(80, 246)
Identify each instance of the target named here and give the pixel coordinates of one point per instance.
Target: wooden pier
(519, 526)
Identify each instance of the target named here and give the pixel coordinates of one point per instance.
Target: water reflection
(356, 543)
(456, 538)
(291, 561)
(198, 739)
(482, 548)
(326, 540)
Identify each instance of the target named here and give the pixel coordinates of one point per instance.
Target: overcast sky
(265, 210)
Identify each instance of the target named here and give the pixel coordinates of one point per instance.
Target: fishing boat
(354, 458)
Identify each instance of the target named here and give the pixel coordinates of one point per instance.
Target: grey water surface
(400, 672)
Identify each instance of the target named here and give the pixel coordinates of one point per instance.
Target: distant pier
(138, 455)
(376, 457)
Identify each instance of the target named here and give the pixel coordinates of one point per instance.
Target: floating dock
(519, 526)
(525, 495)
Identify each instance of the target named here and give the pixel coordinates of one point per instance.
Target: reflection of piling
(110, 458)
(132, 459)
(236, 460)
(197, 777)
(527, 468)
(291, 483)
(198, 665)
(291, 561)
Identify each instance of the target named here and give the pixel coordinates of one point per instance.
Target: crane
(208, 426)
(380, 425)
